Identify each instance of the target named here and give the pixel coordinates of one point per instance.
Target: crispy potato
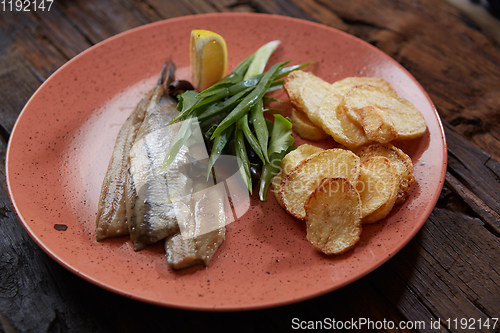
(293, 158)
(398, 113)
(336, 123)
(377, 124)
(352, 119)
(317, 87)
(306, 176)
(401, 161)
(333, 216)
(342, 87)
(290, 161)
(312, 92)
(378, 185)
(333, 117)
(305, 128)
(376, 83)
(292, 85)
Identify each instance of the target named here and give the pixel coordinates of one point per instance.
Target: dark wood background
(449, 270)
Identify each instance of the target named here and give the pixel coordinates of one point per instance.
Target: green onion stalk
(231, 114)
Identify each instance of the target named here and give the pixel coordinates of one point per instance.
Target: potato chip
(290, 161)
(406, 120)
(378, 185)
(335, 121)
(337, 124)
(305, 128)
(293, 85)
(312, 92)
(342, 87)
(333, 216)
(401, 161)
(376, 124)
(307, 175)
(293, 158)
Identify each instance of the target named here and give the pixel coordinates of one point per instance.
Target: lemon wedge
(208, 57)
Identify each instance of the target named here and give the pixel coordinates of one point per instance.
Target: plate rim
(345, 282)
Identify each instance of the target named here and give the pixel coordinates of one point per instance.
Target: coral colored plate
(61, 144)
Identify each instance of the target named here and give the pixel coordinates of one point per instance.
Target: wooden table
(448, 271)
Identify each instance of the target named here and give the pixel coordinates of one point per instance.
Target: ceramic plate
(61, 144)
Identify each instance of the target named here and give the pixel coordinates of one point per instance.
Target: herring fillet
(142, 198)
(111, 220)
(150, 213)
(202, 218)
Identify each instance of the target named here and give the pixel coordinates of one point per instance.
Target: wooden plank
(488, 215)
(321, 14)
(454, 272)
(18, 80)
(280, 7)
(242, 9)
(169, 9)
(98, 20)
(345, 305)
(29, 39)
(444, 271)
(56, 28)
(468, 164)
(494, 166)
(232, 6)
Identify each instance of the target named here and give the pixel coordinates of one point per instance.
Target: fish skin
(111, 220)
(150, 212)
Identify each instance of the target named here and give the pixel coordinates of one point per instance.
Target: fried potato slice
(333, 216)
(377, 124)
(336, 123)
(400, 114)
(333, 118)
(312, 92)
(305, 128)
(292, 85)
(378, 185)
(317, 87)
(289, 162)
(401, 161)
(293, 158)
(307, 175)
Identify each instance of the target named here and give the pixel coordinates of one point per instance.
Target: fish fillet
(150, 213)
(201, 217)
(111, 220)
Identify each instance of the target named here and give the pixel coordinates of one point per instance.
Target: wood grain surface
(449, 270)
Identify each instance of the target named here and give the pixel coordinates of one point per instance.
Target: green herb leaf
(270, 170)
(186, 100)
(281, 136)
